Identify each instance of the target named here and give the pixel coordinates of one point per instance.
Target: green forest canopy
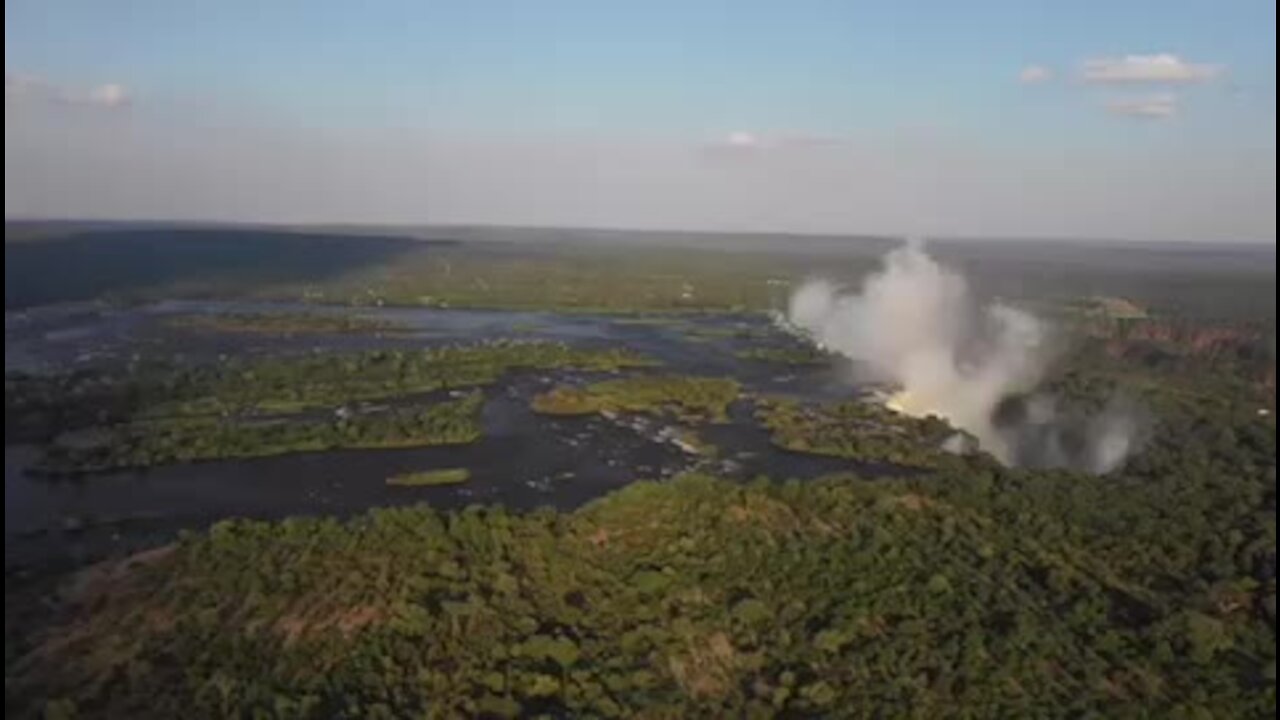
(975, 590)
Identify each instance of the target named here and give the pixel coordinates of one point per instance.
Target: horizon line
(847, 235)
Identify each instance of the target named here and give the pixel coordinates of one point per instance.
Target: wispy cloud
(1157, 106)
(109, 95)
(1158, 68)
(21, 87)
(1034, 75)
(747, 142)
(1160, 71)
(744, 140)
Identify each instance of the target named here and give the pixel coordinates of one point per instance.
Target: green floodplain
(156, 415)
(951, 587)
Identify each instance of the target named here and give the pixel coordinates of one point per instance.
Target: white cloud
(20, 87)
(1152, 107)
(1034, 75)
(108, 95)
(1159, 68)
(743, 139)
(746, 142)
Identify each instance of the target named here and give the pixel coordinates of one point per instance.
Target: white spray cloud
(1111, 437)
(1038, 433)
(916, 325)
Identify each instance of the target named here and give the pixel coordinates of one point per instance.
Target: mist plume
(915, 325)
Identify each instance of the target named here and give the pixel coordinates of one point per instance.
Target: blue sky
(1107, 89)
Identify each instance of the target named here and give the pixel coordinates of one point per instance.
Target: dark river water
(523, 460)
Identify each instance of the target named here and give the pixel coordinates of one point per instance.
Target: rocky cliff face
(1248, 349)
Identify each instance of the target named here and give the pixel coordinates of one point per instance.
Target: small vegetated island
(431, 478)
(789, 355)
(861, 430)
(693, 399)
(689, 401)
